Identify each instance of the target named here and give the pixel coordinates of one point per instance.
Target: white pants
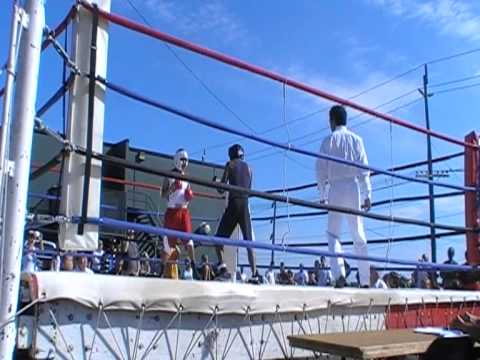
(345, 193)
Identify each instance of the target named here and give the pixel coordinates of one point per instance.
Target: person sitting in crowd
(29, 260)
(323, 274)
(145, 267)
(301, 277)
(241, 277)
(82, 265)
(206, 270)
(222, 274)
(128, 264)
(270, 275)
(256, 279)
(282, 277)
(187, 273)
(469, 324)
(312, 278)
(450, 279)
(68, 264)
(290, 277)
(470, 280)
(394, 280)
(97, 258)
(376, 281)
(420, 276)
(56, 263)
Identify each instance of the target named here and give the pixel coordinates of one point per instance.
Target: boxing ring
(74, 315)
(121, 317)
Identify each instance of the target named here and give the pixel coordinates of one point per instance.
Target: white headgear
(179, 155)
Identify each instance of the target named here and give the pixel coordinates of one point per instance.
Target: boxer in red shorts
(177, 217)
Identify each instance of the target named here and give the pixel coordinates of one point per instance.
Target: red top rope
(122, 21)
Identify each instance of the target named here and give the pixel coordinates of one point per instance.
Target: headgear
(236, 152)
(180, 155)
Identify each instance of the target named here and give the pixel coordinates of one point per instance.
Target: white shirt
(187, 274)
(301, 277)
(380, 284)
(87, 270)
(269, 277)
(29, 261)
(324, 277)
(344, 144)
(176, 199)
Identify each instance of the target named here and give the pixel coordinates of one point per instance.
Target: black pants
(236, 213)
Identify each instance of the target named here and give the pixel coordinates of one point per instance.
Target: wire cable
(193, 73)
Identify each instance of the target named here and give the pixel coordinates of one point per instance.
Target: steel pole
(6, 116)
(17, 187)
(274, 230)
(431, 200)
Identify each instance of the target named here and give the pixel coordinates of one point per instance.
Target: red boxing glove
(188, 194)
(178, 184)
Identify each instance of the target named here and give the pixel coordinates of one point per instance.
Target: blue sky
(343, 47)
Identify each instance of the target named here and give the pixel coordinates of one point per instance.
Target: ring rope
(260, 194)
(200, 120)
(396, 168)
(124, 22)
(213, 240)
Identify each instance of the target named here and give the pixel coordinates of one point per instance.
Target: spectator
(282, 277)
(375, 280)
(469, 280)
(82, 265)
(301, 277)
(323, 274)
(68, 264)
(29, 259)
(145, 268)
(419, 275)
(206, 271)
(469, 324)
(256, 279)
(426, 283)
(130, 263)
(450, 279)
(242, 277)
(223, 274)
(270, 276)
(55, 263)
(290, 278)
(97, 258)
(312, 279)
(394, 280)
(187, 273)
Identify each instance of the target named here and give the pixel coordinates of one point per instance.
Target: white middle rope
(285, 157)
(391, 226)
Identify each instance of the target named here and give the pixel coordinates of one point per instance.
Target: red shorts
(178, 219)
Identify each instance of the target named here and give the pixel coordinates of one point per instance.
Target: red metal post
(472, 199)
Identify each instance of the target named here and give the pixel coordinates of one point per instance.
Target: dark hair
(338, 114)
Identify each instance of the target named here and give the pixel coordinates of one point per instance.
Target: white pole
(17, 187)
(6, 115)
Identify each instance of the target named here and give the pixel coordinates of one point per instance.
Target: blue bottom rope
(213, 240)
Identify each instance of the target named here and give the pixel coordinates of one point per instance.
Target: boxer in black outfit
(238, 173)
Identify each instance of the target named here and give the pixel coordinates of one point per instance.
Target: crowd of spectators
(122, 257)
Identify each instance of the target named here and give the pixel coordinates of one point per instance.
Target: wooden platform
(367, 344)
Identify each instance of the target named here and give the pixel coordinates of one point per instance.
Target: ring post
(17, 187)
(85, 125)
(472, 199)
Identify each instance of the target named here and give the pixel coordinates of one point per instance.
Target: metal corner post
(17, 187)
